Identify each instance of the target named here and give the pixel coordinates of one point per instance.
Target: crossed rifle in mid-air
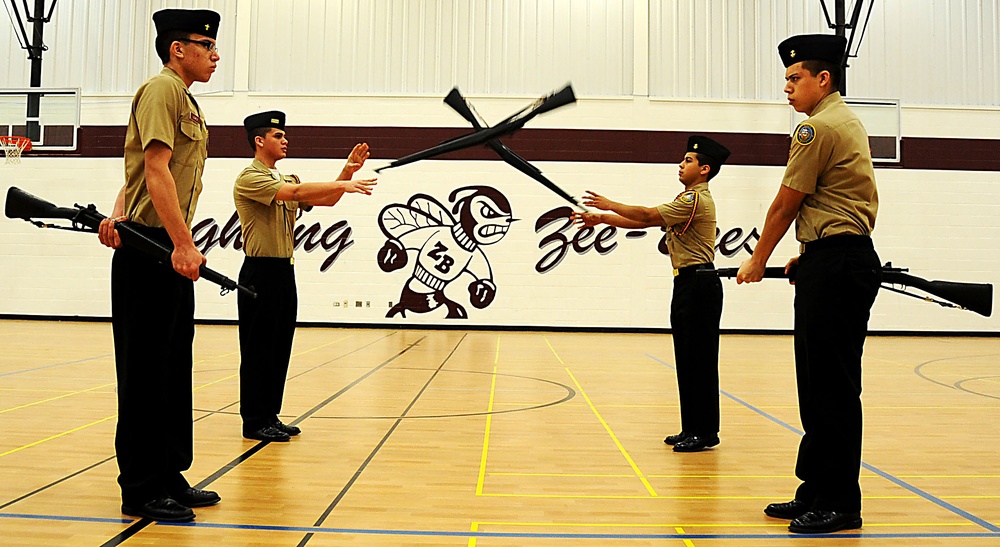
(490, 136)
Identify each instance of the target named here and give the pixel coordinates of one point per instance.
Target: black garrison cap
(197, 21)
(271, 118)
(812, 47)
(705, 146)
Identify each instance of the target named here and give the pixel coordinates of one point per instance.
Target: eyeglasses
(207, 44)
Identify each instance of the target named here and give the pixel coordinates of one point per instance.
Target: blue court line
(899, 482)
(65, 518)
(526, 535)
(55, 365)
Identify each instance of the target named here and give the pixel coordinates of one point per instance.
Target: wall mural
(446, 245)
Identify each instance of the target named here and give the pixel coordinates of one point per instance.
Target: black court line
(93, 465)
(293, 377)
(381, 443)
(142, 523)
(57, 481)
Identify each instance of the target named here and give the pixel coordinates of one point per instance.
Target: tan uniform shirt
(830, 160)
(690, 220)
(268, 225)
(164, 110)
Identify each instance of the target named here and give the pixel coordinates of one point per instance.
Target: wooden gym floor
(447, 437)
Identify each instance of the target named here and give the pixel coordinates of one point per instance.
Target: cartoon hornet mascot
(446, 248)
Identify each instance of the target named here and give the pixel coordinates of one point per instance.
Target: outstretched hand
(363, 186)
(585, 220)
(597, 201)
(356, 159)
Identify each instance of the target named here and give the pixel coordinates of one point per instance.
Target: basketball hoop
(13, 145)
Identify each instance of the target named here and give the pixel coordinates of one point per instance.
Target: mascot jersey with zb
(164, 110)
(830, 160)
(268, 225)
(690, 220)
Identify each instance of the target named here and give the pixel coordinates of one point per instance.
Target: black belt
(840, 241)
(691, 269)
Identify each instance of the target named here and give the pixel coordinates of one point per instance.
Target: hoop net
(13, 145)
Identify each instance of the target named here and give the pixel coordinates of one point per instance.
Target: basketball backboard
(881, 118)
(57, 123)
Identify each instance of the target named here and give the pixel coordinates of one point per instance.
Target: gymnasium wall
(623, 138)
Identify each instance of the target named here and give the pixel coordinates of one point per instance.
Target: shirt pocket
(192, 129)
(192, 147)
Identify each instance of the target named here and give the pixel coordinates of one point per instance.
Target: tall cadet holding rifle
(152, 307)
(267, 203)
(696, 304)
(829, 191)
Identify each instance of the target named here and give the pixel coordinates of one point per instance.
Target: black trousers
(267, 327)
(835, 287)
(152, 317)
(695, 312)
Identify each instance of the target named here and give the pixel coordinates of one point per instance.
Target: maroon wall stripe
(571, 145)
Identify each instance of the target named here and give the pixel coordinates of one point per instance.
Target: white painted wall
(941, 224)
(926, 52)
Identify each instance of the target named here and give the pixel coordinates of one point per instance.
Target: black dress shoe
(674, 439)
(824, 522)
(192, 497)
(696, 443)
(289, 430)
(788, 510)
(268, 433)
(161, 509)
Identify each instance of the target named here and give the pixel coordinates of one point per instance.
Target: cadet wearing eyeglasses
(152, 307)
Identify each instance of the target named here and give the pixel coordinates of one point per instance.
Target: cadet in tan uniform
(696, 305)
(152, 307)
(829, 190)
(267, 203)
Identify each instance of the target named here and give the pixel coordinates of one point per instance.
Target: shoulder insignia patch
(805, 133)
(687, 197)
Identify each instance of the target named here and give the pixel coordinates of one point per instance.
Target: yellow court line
(475, 528)
(687, 542)
(64, 395)
(574, 475)
(486, 435)
(631, 462)
(56, 436)
(74, 430)
(476, 525)
(651, 475)
(223, 379)
(634, 497)
(320, 347)
(25, 390)
(489, 423)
